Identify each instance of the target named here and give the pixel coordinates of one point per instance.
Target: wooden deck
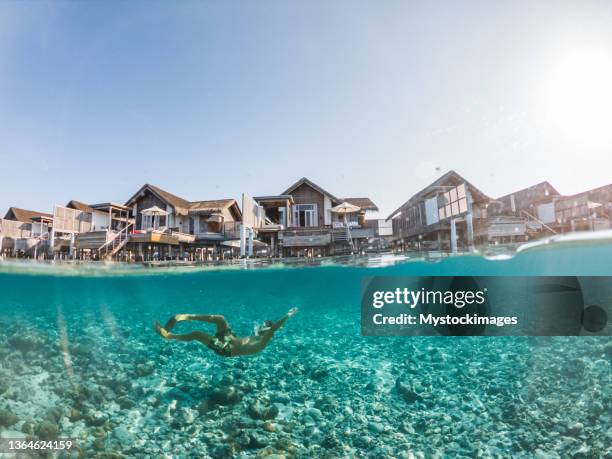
(154, 238)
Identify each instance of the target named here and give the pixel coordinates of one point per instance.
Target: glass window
(461, 191)
(305, 215)
(455, 208)
(455, 202)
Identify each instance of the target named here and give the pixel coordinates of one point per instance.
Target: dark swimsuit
(223, 343)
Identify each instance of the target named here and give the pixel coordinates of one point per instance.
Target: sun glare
(580, 98)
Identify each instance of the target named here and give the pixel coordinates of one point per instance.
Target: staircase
(342, 236)
(116, 243)
(533, 225)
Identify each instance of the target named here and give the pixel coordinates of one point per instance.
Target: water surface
(79, 358)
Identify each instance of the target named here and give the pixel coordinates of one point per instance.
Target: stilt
(71, 249)
(53, 243)
(453, 235)
(251, 236)
(469, 220)
(242, 241)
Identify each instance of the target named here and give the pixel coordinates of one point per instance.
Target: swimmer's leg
(165, 330)
(218, 320)
(193, 336)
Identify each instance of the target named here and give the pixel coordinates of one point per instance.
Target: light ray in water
(63, 340)
(109, 321)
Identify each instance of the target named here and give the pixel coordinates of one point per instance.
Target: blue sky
(210, 99)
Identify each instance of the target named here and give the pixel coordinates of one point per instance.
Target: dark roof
(364, 203)
(440, 182)
(182, 206)
(601, 189)
(542, 185)
(312, 185)
(277, 197)
(179, 204)
(23, 215)
(78, 205)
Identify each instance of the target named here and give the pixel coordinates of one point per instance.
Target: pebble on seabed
(391, 398)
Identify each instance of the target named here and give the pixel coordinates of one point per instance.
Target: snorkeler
(224, 342)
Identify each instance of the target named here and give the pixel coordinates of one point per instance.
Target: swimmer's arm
(278, 324)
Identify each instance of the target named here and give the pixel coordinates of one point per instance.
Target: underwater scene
(81, 360)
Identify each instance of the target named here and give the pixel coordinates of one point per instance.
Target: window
(413, 217)
(203, 224)
(305, 215)
(453, 203)
(281, 216)
(153, 221)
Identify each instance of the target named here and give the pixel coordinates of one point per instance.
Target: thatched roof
(217, 205)
(184, 207)
(180, 205)
(364, 203)
(78, 205)
(23, 215)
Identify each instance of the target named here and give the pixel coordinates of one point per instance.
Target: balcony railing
(229, 230)
(358, 233)
(15, 229)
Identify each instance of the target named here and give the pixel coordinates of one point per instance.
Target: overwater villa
(547, 211)
(452, 214)
(442, 216)
(152, 225)
(167, 226)
(24, 232)
(589, 210)
(307, 220)
(88, 231)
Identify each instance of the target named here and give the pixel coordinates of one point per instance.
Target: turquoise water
(79, 359)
